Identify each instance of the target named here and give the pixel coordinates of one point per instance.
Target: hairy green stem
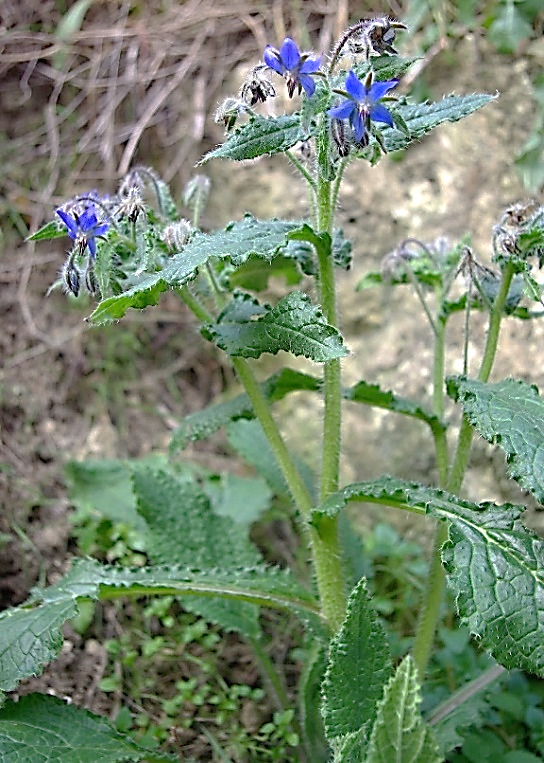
(434, 593)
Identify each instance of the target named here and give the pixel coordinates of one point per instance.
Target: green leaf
(399, 733)
(182, 529)
(255, 273)
(239, 240)
(43, 729)
(358, 669)
(48, 231)
(30, 638)
(247, 329)
(31, 634)
(251, 443)
(203, 423)
(261, 135)
(106, 487)
(243, 500)
(493, 562)
(143, 294)
(423, 117)
(372, 394)
(509, 28)
(309, 697)
(509, 413)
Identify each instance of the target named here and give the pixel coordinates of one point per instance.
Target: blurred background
(91, 88)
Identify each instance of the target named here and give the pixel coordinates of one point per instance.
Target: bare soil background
(138, 83)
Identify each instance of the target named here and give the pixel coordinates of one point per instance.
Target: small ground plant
(180, 531)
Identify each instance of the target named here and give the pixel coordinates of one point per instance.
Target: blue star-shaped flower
(361, 106)
(84, 228)
(295, 66)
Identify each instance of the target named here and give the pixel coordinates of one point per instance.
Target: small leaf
(399, 733)
(358, 669)
(509, 413)
(52, 229)
(372, 394)
(44, 729)
(294, 325)
(145, 293)
(509, 28)
(261, 135)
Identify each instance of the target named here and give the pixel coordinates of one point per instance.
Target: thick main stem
(324, 540)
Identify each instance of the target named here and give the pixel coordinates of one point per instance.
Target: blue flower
(295, 66)
(362, 106)
(84, 228)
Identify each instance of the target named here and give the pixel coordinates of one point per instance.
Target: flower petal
(289, 54)
(379, 89)
(342, 111)
(69, 222)
(310, 65)
(358, 125)
(88, 219)
(91, 243)
(378, 113)
(271, 57)
(100, 229)
(355, 87)
(307, 83)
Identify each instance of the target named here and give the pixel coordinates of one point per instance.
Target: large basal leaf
(261, 135)
(399, 733)
(247, 329)
(494, 563)
(203, 423)
(43, 729)
(182, 529)
(358, 669)
(509, 413)
(31, 636)
(422, 118)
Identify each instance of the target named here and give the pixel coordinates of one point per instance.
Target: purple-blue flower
(84, 228)
(362, 105)
(295, 66)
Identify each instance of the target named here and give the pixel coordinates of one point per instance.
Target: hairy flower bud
(177, 235)
(229, 111)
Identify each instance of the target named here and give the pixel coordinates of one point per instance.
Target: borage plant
(356, 703)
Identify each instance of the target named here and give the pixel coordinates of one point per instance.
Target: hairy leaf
(399, 733)
(43, 729)
(509, 413)
(373, 394)
(249, 440)
(309, 697)
(494, 563)
(247, 329)
(105, 486)
(358, 669)
(203, 423)
(31, 636)
(143, 294)
(52, 229)
(182, 529)
(423, 117)
(261, 135)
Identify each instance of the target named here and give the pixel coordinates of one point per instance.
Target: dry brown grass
(134, 82)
